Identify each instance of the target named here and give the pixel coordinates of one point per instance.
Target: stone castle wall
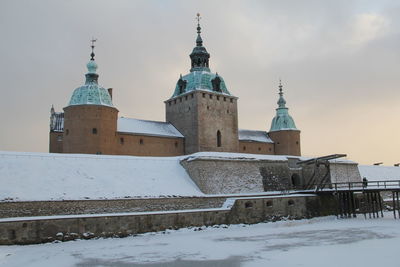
(256, 148)
(244, 210)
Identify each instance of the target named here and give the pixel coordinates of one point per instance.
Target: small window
(231, 100)
(225, 99)
(297, 142)
(290, 202)
(176, 144)
(269, 203)
(66, 132)
(98, 153)
(204, 95)
(248, 204)
(169, 103)
(141, 141)
(94, 131)
(174, 101)
(121, 140)
(278, 143)
(244, 148)
(208, 107)
(217, 97)
(270, 149)
(192, 95)
(59, 138)
(210, 96)
(186, 97)
(259, 149)
(227, 111)
(219, 139)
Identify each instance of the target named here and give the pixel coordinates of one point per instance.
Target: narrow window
(259, 149)
(225, 99)
(210, 96)
(174, 101)
(231, 100)
(141, 141)
(217, 97)
(204, 95)
(94, 131)
(121, 140)
(176, 144)
(169, 103)
(244, 148)
(192, 95)
(67, 132)
(186, 97)
(219, 142)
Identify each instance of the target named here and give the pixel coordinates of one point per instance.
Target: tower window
(210, 96)
(176, 144)
(244, 148)
(66, 132)
(204, 95)
(141, 141)
(174, 101)
(121, 140)
(259, 149)
(186, 97)
(225, 99)
(231, 100)
(192, 95)
(219, 141)
(94, 131)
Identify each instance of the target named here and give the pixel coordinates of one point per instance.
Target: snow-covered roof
(379, 173)
(254, 136)
(144, 127)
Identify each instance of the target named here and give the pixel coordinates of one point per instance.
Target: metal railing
(363, 185)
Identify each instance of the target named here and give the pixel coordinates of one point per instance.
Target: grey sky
(339, 62)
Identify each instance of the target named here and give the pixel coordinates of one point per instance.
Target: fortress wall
(345, 172)
(244, 210)
(47, 208)
(235, 176)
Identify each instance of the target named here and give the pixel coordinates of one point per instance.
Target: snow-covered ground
(379, 173)
(44, 176)
(325, 241)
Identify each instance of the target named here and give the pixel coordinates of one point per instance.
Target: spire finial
(280, 87)
(281, 102)
(92, 46)
(199, 41)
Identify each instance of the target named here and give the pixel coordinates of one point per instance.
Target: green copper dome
(282, 120)
(200, 80)
(91, 93)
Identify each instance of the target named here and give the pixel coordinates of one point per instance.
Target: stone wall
(244, 210)
(256, 148)
(47, 208)
(230, 176)
(144, 145)
(199, 115)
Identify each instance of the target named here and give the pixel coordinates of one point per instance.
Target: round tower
(283, 130)
(90, 119)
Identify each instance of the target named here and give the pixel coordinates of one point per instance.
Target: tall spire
(199, 40)
(281, 102)
(199, 56)
(92, 76)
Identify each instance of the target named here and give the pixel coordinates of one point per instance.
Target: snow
(152, 128)
(28, 176)
(379, 173)
(324, 241)
(255, 136)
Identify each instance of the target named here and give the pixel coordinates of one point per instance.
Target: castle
(201, 115)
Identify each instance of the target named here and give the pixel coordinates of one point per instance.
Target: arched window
(219, 142)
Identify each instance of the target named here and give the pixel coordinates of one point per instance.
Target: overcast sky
(339, 62)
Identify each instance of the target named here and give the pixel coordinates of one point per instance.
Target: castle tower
(283, 130)
(202, 108)
(90, 119)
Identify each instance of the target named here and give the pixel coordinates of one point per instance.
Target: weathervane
(92, 46)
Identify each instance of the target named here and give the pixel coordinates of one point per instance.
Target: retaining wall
(244, 210)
